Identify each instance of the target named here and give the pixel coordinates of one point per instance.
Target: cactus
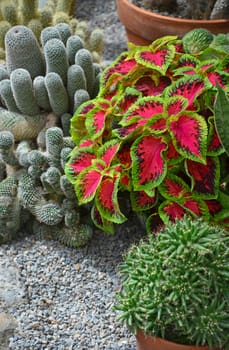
(23, 127)
(4, 27)
(9, 12)
(23, 51)
(33, 147)
(84, 59)
(76, 80)
(9, 209)
(7, 149)
(27, 13)
(27, 10)
(64, 30)
(22, 88)
(80, 97)
(7, 97)
(57, 93)
(65, 6)
(41, 93)
(49, 33)
(56, 58)
(36, 26)
(74, 44)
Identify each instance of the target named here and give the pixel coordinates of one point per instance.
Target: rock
(11, 289)
(7, 326)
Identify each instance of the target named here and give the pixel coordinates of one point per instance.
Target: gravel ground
(103, 14)
(69, 293)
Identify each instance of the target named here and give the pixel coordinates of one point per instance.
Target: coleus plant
(150, 135)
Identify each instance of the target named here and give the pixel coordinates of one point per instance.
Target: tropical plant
(151, 133)
(175, 285)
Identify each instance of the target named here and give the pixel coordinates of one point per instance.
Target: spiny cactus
(22, 126)
(9, 209)
(23, 51)
(49, 81)
(21, 84)
(49, 197)
(34, 129)
(56, 58)
(28, 13)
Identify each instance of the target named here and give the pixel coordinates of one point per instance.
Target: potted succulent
(144, 21)
(150, 137)
(174, 293)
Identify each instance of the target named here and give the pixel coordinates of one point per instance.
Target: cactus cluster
(36, 194)
(41, 85)
(28, 13)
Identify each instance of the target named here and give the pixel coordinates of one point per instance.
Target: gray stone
(11, 290)
(8, 325)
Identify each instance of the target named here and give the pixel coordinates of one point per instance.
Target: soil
(181, 9)
(191, 9)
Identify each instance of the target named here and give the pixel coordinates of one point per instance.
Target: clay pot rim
(141, 335)
(197, 22)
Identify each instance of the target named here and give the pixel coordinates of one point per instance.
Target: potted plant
(149, 142)
(175, 288)
(146, 23)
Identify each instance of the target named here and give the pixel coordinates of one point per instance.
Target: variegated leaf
(204, 177)
(106, 200)
(80, 158)
(149, 167)
(87, 183)
(158, 59)
(142, 201)
(189, 134)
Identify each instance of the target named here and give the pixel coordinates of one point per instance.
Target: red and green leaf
(150, 85)
(189, 87)
(87, 183)
(106, 200)
(175, 104)
(218, 79)
(95, 122)
(149, 167)
(215, 146)
(103, 224)
(171, 211)
(108, 151)
(189, 134)
(140, 200)
(158, 59)
(204, 177)
(145, 109)
(122, 65)
(173, 187)
(80, 159)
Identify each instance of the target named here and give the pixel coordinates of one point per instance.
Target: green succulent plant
(151, 134)
(175, 285)
(40, 86)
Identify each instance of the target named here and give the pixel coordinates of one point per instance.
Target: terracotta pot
(142, 26)
(150, 343)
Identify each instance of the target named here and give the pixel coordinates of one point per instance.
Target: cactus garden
(42, 82)
(98, 156)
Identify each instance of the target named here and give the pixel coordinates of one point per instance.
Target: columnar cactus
(23, 51)
(28, 13)
(42, 82)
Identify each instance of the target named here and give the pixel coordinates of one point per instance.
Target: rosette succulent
(151, 135)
